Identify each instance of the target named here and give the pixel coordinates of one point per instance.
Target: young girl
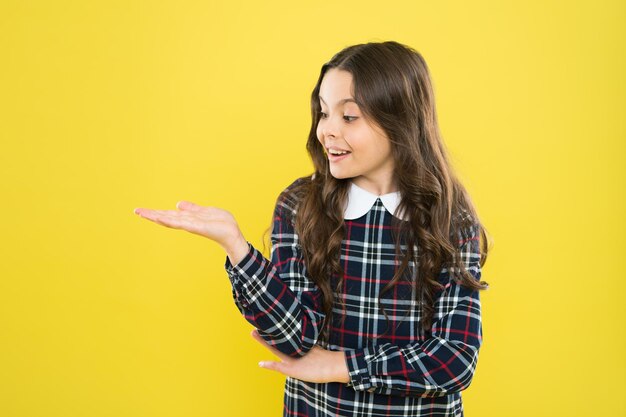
(371, 296)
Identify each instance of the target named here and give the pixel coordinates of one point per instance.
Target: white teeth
(334, 152)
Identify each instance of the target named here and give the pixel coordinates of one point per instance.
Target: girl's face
(342, 127)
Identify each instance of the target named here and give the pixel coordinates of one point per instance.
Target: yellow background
(110, 105)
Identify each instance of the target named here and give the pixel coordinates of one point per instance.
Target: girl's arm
(276, 296)
(440, 365)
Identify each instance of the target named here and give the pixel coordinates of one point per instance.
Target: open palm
(318, 365)
(211, 222)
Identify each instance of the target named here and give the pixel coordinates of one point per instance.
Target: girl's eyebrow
(345, 100)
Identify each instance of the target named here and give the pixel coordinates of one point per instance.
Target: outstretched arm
(275, 296)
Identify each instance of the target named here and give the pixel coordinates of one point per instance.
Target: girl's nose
(330, 128)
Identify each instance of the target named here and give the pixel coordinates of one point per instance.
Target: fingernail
(261, 364)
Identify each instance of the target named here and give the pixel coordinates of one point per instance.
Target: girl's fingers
(186, 208)
(211, 222)
(144, 212)
(274, 366)
(162, 220)
(188, 205)
(170, 218)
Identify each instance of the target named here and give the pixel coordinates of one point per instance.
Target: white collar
(360, 201)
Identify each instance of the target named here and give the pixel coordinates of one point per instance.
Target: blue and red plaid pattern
(395, 368)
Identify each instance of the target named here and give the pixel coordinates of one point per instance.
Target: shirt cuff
(358, 370)
(248, 275)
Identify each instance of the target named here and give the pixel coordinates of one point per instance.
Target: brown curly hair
(393, 88)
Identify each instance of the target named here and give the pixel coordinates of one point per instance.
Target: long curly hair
(392, 87)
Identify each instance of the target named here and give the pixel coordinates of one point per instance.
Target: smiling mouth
(334, 157)
(336, 151)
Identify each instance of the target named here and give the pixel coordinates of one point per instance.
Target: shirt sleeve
(441, 364)
(276, 296)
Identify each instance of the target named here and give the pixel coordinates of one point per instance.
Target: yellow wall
(110, 105)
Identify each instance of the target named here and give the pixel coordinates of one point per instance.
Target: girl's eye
(346, 118)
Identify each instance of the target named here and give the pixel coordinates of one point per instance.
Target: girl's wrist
(340, 367)
(237, 250)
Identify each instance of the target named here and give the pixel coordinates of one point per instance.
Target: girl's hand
(211, 222)
(318, 365)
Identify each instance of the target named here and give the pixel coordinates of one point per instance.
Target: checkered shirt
(395, 368)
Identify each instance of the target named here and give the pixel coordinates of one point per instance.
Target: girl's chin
(340, 174)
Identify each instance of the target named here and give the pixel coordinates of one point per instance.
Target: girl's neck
(380, 187)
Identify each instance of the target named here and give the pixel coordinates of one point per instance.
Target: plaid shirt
(395, 368)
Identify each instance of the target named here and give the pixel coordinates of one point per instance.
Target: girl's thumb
(186, 205)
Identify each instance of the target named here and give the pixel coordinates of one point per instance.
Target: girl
(371, 296)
